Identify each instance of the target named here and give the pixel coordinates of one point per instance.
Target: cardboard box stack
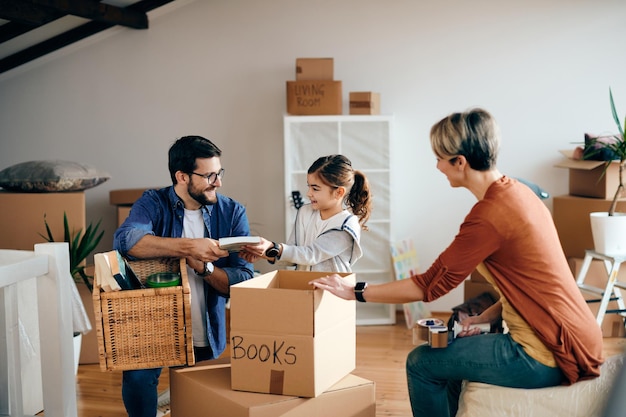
(314, 92)
(287, 338)
(589, 191)
(292, 351)
(205, 390)
(364, 102)
(476, 285)
(123, 200)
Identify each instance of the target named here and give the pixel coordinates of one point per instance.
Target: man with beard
(186, 220)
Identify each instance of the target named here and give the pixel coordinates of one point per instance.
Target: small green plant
(617, 148)
(80, 246)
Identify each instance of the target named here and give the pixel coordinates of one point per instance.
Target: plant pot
(609, 233)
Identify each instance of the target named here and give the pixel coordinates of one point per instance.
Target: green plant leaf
(80, 246)
(615, 116)
(49, 238)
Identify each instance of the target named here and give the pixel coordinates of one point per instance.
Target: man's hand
(202, 249)
(206, 250)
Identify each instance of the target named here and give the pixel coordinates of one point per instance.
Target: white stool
(612, 290)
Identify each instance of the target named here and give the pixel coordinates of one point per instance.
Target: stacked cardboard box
(477, 285)
(589, 191)
(364, 102)
(292, 351)
(123, 200)
(288, 338)
(314, 92)
(205, 390)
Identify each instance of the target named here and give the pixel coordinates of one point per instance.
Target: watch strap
(359, 288)
(208, 269)
(272, 252)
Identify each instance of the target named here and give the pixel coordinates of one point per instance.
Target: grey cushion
(50, 176)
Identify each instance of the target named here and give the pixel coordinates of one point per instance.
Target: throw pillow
(51, 176)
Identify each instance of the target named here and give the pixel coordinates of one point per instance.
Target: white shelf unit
(366, 141)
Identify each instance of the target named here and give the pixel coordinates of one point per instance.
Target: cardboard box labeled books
(287, 338)
(364, 103)
(586, 179)
(571, 218)
(612, 324)
(315, 69)
(314, 97)
(205, 390)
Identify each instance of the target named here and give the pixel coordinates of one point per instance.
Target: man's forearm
(151, 246)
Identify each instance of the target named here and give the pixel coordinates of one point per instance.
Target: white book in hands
(234, 243)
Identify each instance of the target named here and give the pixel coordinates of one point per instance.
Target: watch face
(272, 252)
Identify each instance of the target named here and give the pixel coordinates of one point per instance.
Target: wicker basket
(146, 328)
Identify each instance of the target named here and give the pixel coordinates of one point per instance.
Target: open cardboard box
(204, 390)
(586, 179)
(287, 337)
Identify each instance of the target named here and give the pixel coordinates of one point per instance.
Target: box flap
(283, 302)
(576, 163)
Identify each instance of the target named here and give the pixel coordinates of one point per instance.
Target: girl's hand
(250, 257)
(259, 249)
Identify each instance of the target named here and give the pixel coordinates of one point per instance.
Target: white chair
(49, 263)
(612, 290)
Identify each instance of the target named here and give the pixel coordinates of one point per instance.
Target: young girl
(326, 236)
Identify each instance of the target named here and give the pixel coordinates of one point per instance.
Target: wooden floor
(381, 354)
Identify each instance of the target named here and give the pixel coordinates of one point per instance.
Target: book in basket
(114, 273)
(235, 243)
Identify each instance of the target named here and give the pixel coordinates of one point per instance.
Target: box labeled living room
(288, 338)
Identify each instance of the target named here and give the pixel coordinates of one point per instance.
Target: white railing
(49, 263)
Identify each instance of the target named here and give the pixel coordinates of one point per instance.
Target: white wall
(218, 68)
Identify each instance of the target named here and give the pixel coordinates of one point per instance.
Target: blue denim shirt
(160, 213)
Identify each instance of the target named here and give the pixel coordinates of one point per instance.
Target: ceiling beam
(52, 44)
(27, 13)
(95, 10)
(68, 37)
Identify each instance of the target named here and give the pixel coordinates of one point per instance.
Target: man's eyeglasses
(212, 177)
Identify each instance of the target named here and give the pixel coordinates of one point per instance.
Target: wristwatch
(208, 269)
(273, 252)
(359, 288)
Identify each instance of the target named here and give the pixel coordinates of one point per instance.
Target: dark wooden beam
(52, 44)
(11, 30)
(27, 13)
(69, 37)
(101, 12)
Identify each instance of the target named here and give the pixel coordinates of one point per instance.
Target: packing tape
(420, 330)
(438, 336)
(484, 328)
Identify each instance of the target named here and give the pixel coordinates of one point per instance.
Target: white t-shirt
(193, 227)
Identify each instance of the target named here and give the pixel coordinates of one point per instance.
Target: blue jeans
(434, 376)
(139, 387)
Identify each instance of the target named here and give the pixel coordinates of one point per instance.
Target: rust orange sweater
(513, 233)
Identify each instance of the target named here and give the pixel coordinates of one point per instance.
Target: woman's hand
(469, 328)
(336, 285)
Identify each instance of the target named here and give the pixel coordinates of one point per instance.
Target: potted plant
(80, 246)
(609, 228)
